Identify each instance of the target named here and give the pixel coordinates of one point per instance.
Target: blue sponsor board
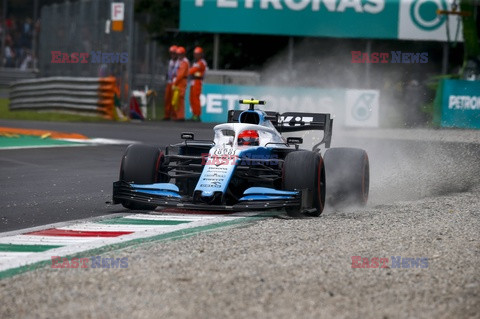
(459, 104)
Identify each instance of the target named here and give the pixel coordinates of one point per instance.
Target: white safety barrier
(72, 94)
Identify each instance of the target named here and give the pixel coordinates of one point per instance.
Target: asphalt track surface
(424, 202)
(42, 186)
(48, 185)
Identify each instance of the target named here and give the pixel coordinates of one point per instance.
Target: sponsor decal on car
(212, 159)
(295, 120)
(247, 159)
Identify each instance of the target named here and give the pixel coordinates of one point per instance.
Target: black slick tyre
(347, 176)
(305, 170)
(140, 165)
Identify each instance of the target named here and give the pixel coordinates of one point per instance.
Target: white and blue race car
(249, 165)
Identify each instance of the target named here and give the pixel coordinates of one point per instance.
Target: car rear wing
(295, 122)
(234, 115)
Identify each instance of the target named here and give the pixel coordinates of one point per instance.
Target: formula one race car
(248, 166)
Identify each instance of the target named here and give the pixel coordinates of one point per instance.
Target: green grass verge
(6, 114)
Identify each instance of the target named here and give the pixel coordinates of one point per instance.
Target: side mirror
(187, 136)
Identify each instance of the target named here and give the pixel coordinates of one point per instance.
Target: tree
(158, 16)
(471, 61)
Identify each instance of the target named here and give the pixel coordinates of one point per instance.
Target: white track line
(166, 216)
(41, 146)
(119, 227)
(9, 254)
(78, 143)
(99, 141)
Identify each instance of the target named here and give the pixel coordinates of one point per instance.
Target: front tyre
(348, 176)
(305, 170)
(141, 165)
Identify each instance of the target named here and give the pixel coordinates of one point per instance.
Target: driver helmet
(248, 137)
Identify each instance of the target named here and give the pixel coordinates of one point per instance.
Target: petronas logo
(362, 109)
(424, 14)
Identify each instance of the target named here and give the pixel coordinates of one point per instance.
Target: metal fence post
(2, 54)
(130, 49)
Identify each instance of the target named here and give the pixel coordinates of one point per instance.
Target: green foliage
(472, 48)
(158, 16)
(432, 84)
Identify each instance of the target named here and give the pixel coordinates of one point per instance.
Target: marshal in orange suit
(180, 85)
(196, 74)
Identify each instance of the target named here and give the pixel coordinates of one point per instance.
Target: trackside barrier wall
(94, 96)
(351, 107)
(457, 104)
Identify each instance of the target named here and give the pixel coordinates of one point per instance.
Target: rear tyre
(348, 176)
(305, 170)
(141, 165)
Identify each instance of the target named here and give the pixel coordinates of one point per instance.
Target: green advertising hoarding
(291, 17)
(375, 19)
(350, 107)
(458, 104)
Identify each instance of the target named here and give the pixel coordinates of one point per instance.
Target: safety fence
(94, 96)
(10, 75)
(232, 77)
